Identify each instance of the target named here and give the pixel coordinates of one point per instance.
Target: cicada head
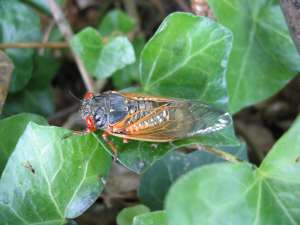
(102, 110)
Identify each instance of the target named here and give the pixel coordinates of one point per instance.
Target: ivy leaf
(29, 100)
(116, 21)
(151, 218)
(11, 129)
(176, 64)
(138, 156)
(25, 27)
(188, 64)
(102, 60)
(156, 181)
(42, 4)
(129, 75)
(263, 57)
(49, 178)
(45, 67)
(221, 190)
(125, 217)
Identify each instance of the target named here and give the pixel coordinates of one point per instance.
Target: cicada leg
(79, 132)
(111, 145)
(125, 141)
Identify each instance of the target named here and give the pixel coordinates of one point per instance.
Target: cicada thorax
(140, 115)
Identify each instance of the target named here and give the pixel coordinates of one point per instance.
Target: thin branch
(53, 45)
(46, 35)
(291, 10)
(183, 5)
(224, 155)
(63, 113)
(131, 8)
(67, 32)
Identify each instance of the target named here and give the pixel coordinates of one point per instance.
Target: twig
(291, 10)
(183, 5)
(67, 32)
(158, 5)
(225, 155)
(63, 113)
(46, 35)
(53, 45)
(130, 6)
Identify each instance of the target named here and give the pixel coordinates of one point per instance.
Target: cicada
(150, 118)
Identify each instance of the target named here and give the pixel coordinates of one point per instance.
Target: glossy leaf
(6, 69)
(42, 4)
(172, 63)
(129, 75)
(138, 156)
(263, 57)
(156, 181)
(102, 60)
(29, 100)
(116, 21)
(151, 218)
(240, 194)
(49, 178)
(190, 63)
(11, 129)
(25, 27)
(125, 217)
(45, 67)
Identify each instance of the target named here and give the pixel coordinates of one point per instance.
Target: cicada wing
(179, 119)
(141, 96)
(205, 118)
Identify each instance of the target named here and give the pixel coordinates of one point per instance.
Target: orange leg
(111, 145)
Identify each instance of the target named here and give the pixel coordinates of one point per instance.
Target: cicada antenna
(74, 96)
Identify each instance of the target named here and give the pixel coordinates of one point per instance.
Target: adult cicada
(150, 118)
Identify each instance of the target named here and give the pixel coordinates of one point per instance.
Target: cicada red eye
(90, 123)
(88, 95)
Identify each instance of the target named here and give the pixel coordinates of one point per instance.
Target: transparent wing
(178, 119)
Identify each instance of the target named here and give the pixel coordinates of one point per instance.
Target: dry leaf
(6, 68)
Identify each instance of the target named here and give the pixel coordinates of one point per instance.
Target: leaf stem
(53, 45)
(224, 155)
(67, 32)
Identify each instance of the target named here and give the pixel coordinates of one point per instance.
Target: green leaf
(173, 64)
(240, 194)
(11, 129)
(151, 218)
(49, 178)
(129, 75)
(126, 216)
(102, 60)
(116, 21)
(263, 57)
(156, 181)
(45, 67)
(190, 63)
(25, 27)
(29, 100)
(138, 156)
(42, 4)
